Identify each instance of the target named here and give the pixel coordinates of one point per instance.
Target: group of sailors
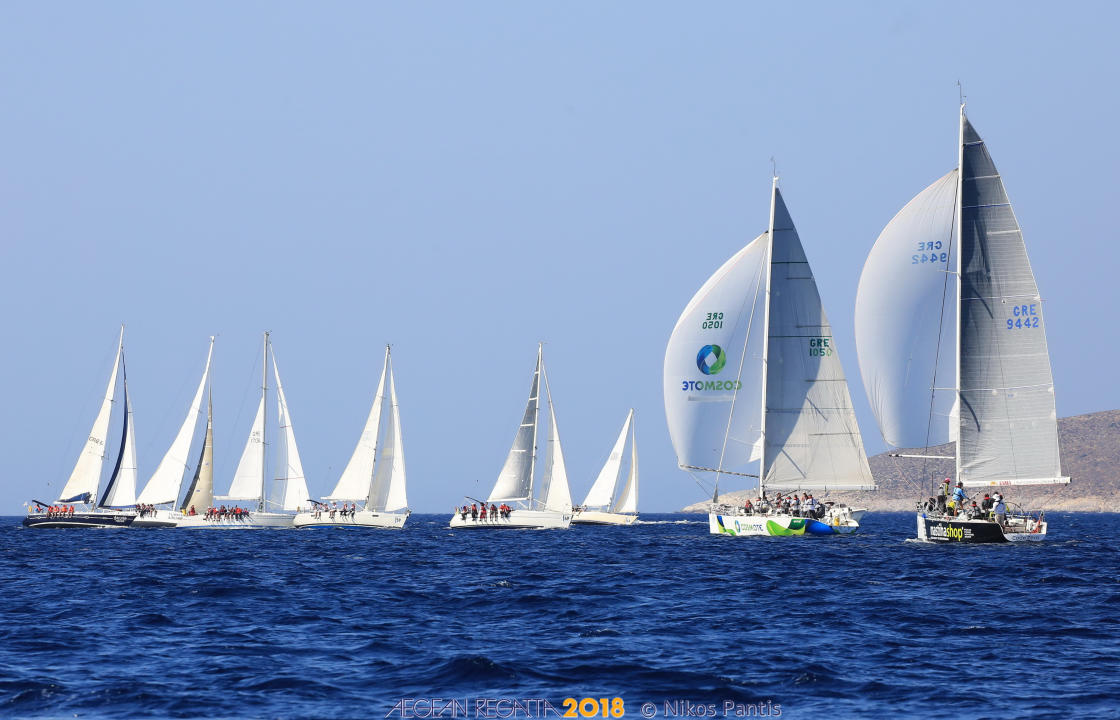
(332, 510)
(804, 506)
(478, 511)
(956, 504)
(224, 513)
(54, 511)
(144, 510)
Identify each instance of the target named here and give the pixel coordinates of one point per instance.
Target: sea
(660, 619)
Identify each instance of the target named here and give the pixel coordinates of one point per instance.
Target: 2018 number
(594, 707)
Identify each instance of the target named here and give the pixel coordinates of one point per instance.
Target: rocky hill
(1090, 446)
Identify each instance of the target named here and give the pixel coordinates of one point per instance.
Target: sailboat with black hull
(952, 347)
(754, 388)
(161, 493)
(115, 506)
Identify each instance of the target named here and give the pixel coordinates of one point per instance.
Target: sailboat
(754, 388)
(289, 492)
(115, 506)
(552, 506)
(613, 499)
(952, 346)
(375, 474)
(162, 490)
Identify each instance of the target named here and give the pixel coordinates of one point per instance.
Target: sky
(465, 180)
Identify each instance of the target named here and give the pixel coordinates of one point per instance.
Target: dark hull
(81, 519)
(960, 531)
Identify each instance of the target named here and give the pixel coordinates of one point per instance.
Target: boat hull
(253, 521)
(360, 519)
(159, 518)
(961, 530)
(80, 519)
(596, 517)
(517, 520)
(780, 525)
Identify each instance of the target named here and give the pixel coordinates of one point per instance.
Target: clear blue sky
(464, 179)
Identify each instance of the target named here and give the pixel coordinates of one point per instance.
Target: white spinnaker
(713, 407)
(164, 484)
(558, 496)
(515, 481)
(289, 469)
(905, 320)
(811, 435)
(396, 497)
(250, 469)
(121, 490)
(602, 491)
(86, 474)
(354, 483)
(627, 499)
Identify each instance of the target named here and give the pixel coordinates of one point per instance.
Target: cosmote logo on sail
(710, 360)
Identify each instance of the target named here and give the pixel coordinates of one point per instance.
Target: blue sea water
(329, 623)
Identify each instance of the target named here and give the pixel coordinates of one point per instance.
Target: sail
(200, 494)
(627, 499)
(712, 372)
(1008, 422)
(354, 483)
(250, 469)
(555, 493)
(82, 485)
(905, 320)
(602, 491)
(391, 461)
(292, 493)
(515, 481)
(164, 485)
(120, 491)
(811, 436)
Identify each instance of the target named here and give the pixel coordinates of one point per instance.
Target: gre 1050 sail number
(714, 321)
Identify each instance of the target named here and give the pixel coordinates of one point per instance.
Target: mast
(264, 421)
(958, 221)
(766, 335)
(536, 420)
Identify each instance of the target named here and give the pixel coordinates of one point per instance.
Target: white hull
(724, 520)
(360, 519)
(159, 518)
(254, 521)
(597, 517)
(517, 520)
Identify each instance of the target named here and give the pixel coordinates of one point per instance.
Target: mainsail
(120, 491)
(555, 492)
(200, 494)
(515, 481)
(610, 490)
(291, 485)
(248, 478)
(84, 479)
(164, 485)
(627, 500)
(387, 491)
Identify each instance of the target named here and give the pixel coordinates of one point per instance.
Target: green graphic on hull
(796, 527)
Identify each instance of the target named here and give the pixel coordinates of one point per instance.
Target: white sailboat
(375, 475)
(275, 509)
(952, 346)
(613, 499)
(754, 388)
(115, 506)
(514, 489)
(161, 493)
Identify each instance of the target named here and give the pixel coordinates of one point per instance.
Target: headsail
(811, 436)
(905, 320)
(354, 483)
(515, 481)
(164, 485)
(84, 479)
(555, 493)
(602, 492)
(1008, 421)
(390, 472)
(626, 501)
(200, 494)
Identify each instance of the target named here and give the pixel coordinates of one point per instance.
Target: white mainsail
(602, 492)
(389, 477)
(985, 316)
(558, 495)
(627, 500)
(121, 489)
(812, 440)
(753, 383)
(291, 484)
(86, 475)
(515, 481)
(167, 480)
(247, 479)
